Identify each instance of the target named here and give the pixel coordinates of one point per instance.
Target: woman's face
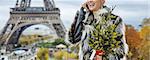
(94, 5)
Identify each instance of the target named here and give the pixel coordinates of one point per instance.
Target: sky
(131, 11)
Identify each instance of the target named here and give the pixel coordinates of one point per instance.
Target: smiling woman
(94, 5)
(99, 33)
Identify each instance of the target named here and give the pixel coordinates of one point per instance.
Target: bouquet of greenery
(105, 37)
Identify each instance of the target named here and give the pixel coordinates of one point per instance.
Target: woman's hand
(84, 5)
(99, 54)
(98, 57)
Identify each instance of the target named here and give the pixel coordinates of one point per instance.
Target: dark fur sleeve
(120, 52)
(75, 33)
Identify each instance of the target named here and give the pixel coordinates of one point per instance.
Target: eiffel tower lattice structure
(23, 16)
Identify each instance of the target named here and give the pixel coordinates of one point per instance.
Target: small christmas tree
(105, 37)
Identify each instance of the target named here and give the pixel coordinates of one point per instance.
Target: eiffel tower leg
(6, 32)
(59, 30)
(14, 39)
(3, 32)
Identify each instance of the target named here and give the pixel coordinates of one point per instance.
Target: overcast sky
(131, 11)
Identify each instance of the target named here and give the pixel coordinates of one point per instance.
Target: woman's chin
(92, 9)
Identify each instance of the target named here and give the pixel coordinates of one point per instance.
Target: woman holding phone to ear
(91, 13)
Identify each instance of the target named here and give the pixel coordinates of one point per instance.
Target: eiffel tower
(23, 16)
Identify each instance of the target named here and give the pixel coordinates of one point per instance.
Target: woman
(90, 13)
